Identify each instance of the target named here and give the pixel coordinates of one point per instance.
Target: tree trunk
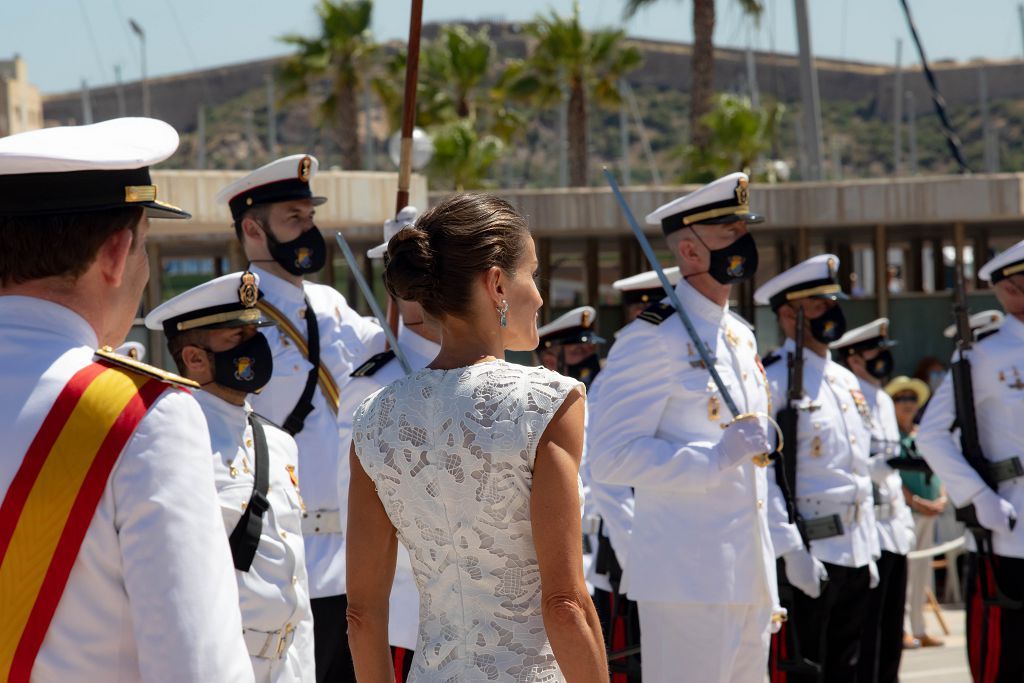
(578, 175)
(348, 126)
(703, 67)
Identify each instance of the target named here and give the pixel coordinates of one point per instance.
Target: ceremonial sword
(364, 286)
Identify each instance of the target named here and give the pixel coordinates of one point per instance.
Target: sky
(67, 41)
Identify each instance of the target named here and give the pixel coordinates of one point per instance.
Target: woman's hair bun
(411, 265)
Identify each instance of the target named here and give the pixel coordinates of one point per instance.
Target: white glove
(873, 571)
(994, 512)
(804, 571)
(741, 440)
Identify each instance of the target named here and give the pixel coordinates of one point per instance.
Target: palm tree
(739, 134)
(589, 65)
(340, 54)
(459, 102)
(702, 62)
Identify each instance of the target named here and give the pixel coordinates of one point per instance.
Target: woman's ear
(494, 283)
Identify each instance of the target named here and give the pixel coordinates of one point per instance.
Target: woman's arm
(569, 616)
(371, 548)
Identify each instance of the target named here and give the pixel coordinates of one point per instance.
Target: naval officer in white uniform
(212, 335)
(865, 350)
(419, 338)
(700, 560)
(997, 366)
(144, 586)
(273, 210)
(833, 502)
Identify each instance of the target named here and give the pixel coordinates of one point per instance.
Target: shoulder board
(741, 320)
(107, 354)
(657, 313)
(771, 358)
(370, 367)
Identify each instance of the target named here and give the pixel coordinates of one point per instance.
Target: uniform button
(744, 375)
(233, 472)
(284, 534)
(302, 312)
(244, 505)
(845, 407)
(295, 580)
(853, 439)
(760, 504)
(248, 442)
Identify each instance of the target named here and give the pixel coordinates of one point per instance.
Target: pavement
(947, 664)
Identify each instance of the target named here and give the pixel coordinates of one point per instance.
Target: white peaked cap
(816, 277)
(871, 336)
(725, 200)
(574, 327)
(78, 169)
(981, 322)
(226, 301)
(1009, 262)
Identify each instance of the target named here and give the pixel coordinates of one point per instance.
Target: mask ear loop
(703, 244)
(764, 459)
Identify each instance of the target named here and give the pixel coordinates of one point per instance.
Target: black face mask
(880, 366)
(586, 370)
(307, 253)
(733, 263)
(829, 326)
(247, 367)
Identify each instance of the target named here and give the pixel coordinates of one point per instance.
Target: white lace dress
(451, 453)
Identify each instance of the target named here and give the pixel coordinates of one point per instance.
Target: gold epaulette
(107, 354)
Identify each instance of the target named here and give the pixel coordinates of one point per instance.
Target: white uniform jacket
(152, 594)
(346, 340)
(833, 451)
(892, 514)
(404, 607)
(997, 367)
(274, 593)
(611, 505)
(700, 534)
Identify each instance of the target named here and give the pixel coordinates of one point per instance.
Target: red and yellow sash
(53, 497)
(327, 384)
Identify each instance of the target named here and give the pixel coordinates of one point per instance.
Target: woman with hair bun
(472, 464)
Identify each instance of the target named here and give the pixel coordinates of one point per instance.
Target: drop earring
(503, 313)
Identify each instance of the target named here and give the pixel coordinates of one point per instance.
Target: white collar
(48, 317)
(277, 289)
(698, 305)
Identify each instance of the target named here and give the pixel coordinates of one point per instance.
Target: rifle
(970, 444)
(788, 419)
(785, 476)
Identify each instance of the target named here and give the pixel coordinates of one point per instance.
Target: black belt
(1005, 470)
(822, 527)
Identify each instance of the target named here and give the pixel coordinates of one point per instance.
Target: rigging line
(188, 48)
(92, 39)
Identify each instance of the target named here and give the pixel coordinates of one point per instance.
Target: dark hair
(176, 346)
(58, 245)
(259, 213)
(434, 261)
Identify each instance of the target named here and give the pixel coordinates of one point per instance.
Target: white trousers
(919, 572)
(683, 643)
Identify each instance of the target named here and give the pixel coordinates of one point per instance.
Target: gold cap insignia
(248, 292)
(831, 267)
(585, 319)
(742, 192)
(305, 166)
(884, 331)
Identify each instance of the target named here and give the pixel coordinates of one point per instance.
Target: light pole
(137, 30)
